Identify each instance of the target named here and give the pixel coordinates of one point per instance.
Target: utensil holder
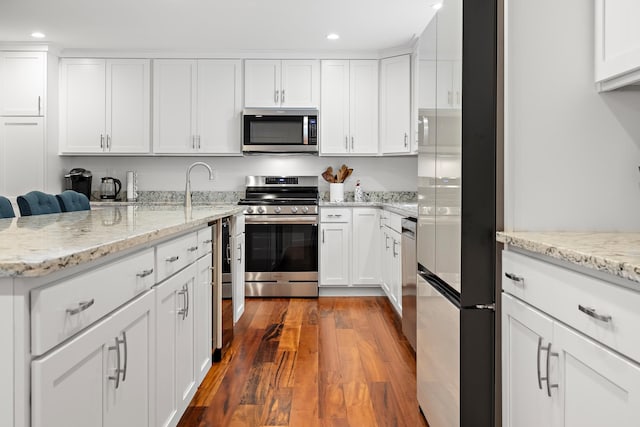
(336, 192)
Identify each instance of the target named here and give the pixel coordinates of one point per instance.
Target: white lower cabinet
(103, 377)
(22, 143)
(366, 250)
(391, 267)
(237, 270)
(175, 373)
(335, 246)
(556, 376)
(202, 305)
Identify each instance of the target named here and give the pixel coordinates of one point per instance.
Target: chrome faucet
(187, 189)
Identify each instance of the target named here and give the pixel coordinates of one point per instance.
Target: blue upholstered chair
(38, 203)
(6, 210)
(73, 201)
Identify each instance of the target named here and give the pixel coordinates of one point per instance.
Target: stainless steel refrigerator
(456, 249)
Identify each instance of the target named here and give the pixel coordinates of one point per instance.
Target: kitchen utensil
(328, 175)
(110, 188)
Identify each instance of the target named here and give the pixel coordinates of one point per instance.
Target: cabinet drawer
(205, 241)
(176, 254)
(65, 308)
(335, 215)
(599, 309)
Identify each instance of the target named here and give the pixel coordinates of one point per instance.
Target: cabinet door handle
(116, 377)
(38, 104)
(547, 379)
(198, 142)
(386, 241)
(183, 311)
(126, 355)
(101, 141)
(108, 143)
(515, 278)
(206, 242)
(538, 362)
(173, 258)
(591, 312)
(346, 142)
(276, 97)
(82, 306)
(406, 140)
(239, 252)
(395, 242)
(282, 96)
(192, 249)
(352, 139)
(322, 236)
(186, 288)
(145, 273)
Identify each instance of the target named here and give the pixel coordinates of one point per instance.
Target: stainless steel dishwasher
(409, 279)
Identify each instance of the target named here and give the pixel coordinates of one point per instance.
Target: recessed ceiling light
(332, 36)
(37, 35)
(437, 6)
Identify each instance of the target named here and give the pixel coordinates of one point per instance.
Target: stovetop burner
(265, 194)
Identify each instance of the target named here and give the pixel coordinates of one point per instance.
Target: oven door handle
(281, 219)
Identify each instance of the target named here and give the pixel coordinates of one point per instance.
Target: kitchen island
(570, 307)
(82, 291)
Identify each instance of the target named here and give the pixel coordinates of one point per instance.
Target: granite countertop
(401, 208)
(35, 246)
(617, 254)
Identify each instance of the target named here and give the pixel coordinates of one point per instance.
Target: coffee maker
(79, 179)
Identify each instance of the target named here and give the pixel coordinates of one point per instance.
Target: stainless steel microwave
(280, 131)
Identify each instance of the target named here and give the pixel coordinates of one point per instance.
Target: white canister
(336, 192)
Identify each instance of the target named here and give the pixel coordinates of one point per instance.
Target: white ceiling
(216, 25)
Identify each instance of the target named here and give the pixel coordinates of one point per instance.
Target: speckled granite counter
(617, 254)
(401, 208)
(38, 245)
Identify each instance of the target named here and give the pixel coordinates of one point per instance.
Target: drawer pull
(515, 278)
(206, 242)
(192, 249)
(173, 258)
(591, 312)
(145, 273)
(334, 215)
(82, 306)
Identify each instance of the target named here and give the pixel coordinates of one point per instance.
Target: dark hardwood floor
(312, 362)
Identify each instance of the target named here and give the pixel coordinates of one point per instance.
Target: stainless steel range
(281, 231)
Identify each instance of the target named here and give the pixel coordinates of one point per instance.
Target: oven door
(286, 133)
(281, 255)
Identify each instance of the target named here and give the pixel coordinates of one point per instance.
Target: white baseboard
(338, 291)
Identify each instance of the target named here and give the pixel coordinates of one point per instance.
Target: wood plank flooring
(312, 362)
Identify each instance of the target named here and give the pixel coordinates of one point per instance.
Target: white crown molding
(29, 47)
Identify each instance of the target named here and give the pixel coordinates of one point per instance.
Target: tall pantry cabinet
(22, 109)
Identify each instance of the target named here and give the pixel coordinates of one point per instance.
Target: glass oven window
(281, 247)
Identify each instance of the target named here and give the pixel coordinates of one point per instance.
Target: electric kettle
(110, 188)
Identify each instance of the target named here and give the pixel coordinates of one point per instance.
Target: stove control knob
(260, 210)
(249, 210)
(294, 209)
(305, 209)
(277, 209)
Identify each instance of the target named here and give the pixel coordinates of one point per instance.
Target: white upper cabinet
(395, 105)
(196, 106)
(617, 43)
(281, 83)
(104, 106)
(22, 83)
(349, 98)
